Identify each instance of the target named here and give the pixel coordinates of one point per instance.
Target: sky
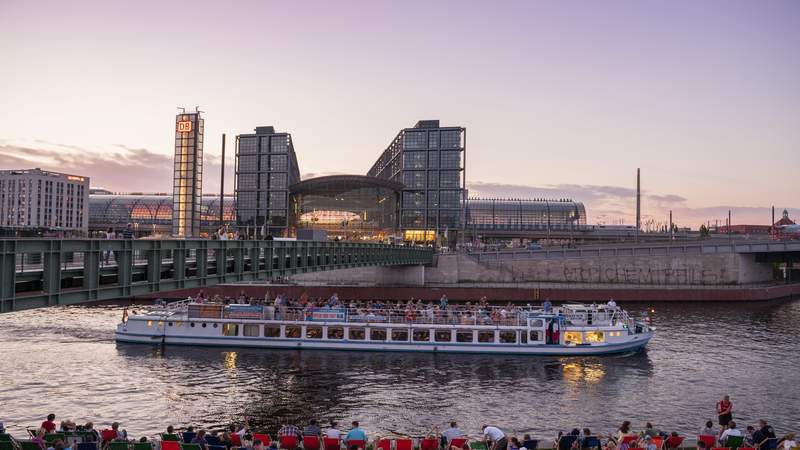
(559, 98)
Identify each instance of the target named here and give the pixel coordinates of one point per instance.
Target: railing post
(8, 272)
(124, 260)
(51, 272)
(91, 269)
(238, 260)
(179, 263)
(201, 262)
(154, 266)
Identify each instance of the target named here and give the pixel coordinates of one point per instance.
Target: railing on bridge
(46, 272)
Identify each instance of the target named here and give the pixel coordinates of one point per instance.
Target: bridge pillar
(124, 259)
(8, 273)
(238, 260)
(154, 267)
(91, 270)
(179, 264)
(51, 274)
(221, 258)
(254, 254)
(201, 263)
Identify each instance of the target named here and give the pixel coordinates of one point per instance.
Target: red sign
(185, 126)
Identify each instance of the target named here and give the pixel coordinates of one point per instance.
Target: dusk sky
(560, 99)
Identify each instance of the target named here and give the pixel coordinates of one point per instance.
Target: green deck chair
(170, 437)
(190, 447)
(119, 445)
(734, 442)
(6, 445)
(5, 437)
(52, 437)
(478, 446)
(142, 446)
(28, 445)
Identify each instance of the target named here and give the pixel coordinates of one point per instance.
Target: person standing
(49, 425)
(127, 233)
(725, 412)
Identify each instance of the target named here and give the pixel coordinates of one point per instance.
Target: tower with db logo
(187, 189)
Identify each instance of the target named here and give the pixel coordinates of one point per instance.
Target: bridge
(37, 273)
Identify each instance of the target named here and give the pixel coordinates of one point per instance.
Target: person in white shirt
(452, 432)
(730, 431)
(333, 432)
(612, 303)
(789, 442)
(496, 437)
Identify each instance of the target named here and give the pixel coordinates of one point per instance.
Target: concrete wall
(680, 270)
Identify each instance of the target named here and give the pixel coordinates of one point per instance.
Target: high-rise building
(266, 166)
(429, 160)
(188, 174)
(38, 200)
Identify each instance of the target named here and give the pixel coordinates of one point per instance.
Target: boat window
(230, 329)
(169, 323)
(335, 333)
(314, 332)
(292, 331)
(464, 336)
(523, 337)
(149, 323)
(573, 337)
(400, 335)
(422, 335)
(443, 336)
(536, 336)
(272, 331)
(508, 337)
(595, 336)
(537, 323)
(251, 329)
(377, 334)
(356, 334)
(486, 336)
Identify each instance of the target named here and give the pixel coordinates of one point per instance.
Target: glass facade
(266, 166)
(187, 189)
(350, 207)
(524, 215)
(151, 214)
(429, 161)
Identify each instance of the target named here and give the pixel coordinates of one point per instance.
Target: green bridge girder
(36, 273)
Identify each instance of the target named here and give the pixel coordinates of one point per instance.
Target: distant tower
(187, 174)
(638, 203)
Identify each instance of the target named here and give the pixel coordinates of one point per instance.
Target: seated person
(730, 431)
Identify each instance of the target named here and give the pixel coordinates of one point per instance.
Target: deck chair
(52, 437)
(358, 443)
(170, 445)
(478, 445)
(674, 442)
(119, 445)
(429, 444)
(331, 443)
(185, 446)
(734, 442)
(768, 444)
(593, 442)
(170, 437)
(658, 441)
(403, 444)
(311, 443)
(720, 448)
(87, 446)
(459, 442)
(630, 438)
(709, 440)
(5, 437)
(142, 446)
(263, 437)
(382, 444)
(28, 445)
(288, 442)
(214, 440)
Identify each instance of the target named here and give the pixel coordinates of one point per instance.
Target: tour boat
(569, 329)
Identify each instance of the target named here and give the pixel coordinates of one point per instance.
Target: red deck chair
(264, 438)
(429, 444)
(310, 443)
(236, 440)
(170, 445)
(635, 448)
(288, 442)
(358, 443)
(720, 448)
(383, 444)
(747, 448)
(458, 442)
(658, 441)
(628, 439)
(674, 441)
(403, 444)
(332, 443)
(709, 440)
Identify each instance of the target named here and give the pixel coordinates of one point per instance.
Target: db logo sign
(184, 126)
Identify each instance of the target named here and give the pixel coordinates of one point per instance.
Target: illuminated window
(486, 336)
(356, 334)
(314, 332)
(464, 336)
(272, 331)
(421, 336)
(595, 336)
(400, 335)
(442, 336)
(149, 323)
(508, 337)
(535, 336)
(335, 333)
(377, 334)
(292, 331)
(251, 330)
(573, 337)
(230, 329)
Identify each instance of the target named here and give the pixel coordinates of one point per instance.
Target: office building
(188, 175)
(266, 165)
(428, 160)
(35, 200)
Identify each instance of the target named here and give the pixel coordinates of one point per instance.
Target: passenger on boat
(200, 439)
(450, 433)
(91, 435)
(514, 444)
(38, 437)
(333, 432)
(257, 445)
(709, 430)
(725, 411)
(611, 303)
(67, 426)
(49, 425)
(651, 431)
(495, 436)
(312, 429)
(748, 436)
(355, 434)
(289, 429)
(763, 434)
(547, 306)
(787, 442)
(648, 443)
(624, 430)
(730, 431)
(528, 443)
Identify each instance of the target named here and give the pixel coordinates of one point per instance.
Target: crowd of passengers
(69, 436)
(282, 307)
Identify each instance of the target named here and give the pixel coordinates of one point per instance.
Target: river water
(64, 360)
